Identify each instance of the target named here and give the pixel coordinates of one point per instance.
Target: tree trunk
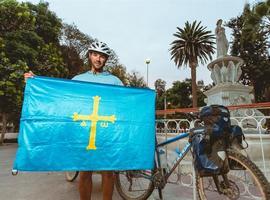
(194, 84)
(4, 128)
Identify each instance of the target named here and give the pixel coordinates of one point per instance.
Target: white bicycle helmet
(100, 47)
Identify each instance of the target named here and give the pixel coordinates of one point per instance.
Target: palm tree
(193, 44)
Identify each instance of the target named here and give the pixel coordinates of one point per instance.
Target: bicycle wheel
(71, 175)
(245, 178)
(134, 185)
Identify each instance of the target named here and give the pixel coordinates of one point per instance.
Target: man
(98, 54)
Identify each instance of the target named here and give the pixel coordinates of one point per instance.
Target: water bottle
(162, 158)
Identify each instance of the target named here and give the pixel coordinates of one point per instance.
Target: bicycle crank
(159, 180)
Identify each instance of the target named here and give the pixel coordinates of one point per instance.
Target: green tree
(14, 17)
(160, 86)
(257, 18)
(49, 60)
(254, 51)
(74, 47)
(72, 60)
(119, 71)
(25, 43)
(193, 44)
(135, 80)
(47, 24)
(11, 87)
(30, 33)
(180, 96)
(72, 37)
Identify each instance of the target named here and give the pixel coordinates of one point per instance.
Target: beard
(96, 67)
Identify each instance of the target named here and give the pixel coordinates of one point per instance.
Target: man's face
(97, 60)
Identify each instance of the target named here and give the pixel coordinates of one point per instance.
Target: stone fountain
(225, 72)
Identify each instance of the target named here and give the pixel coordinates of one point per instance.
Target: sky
(143, 29)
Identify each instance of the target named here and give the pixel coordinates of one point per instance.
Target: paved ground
(52, 186)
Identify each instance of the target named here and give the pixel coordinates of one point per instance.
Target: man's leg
(85, 185)
(108, 184)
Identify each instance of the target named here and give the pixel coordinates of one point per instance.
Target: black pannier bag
(206, 163)
(216, 135)
(207, 141)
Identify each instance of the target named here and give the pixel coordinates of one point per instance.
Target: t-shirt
(103, 77)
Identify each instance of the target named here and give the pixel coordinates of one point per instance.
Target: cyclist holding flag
(98, 54)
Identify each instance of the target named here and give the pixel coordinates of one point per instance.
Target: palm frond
(192, 43)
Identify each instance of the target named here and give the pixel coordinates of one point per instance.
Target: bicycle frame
(180, 156)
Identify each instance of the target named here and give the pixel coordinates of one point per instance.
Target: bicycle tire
(124, 181)
(207, 190)
(71, 175)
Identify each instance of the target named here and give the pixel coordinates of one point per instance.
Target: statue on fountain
(221, 40)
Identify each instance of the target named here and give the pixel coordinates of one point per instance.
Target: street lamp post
(166, 122)
(165, 106)
(147, 61)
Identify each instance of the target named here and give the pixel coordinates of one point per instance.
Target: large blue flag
(74, 125)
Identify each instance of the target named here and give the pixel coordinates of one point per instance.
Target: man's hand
(27, 75)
